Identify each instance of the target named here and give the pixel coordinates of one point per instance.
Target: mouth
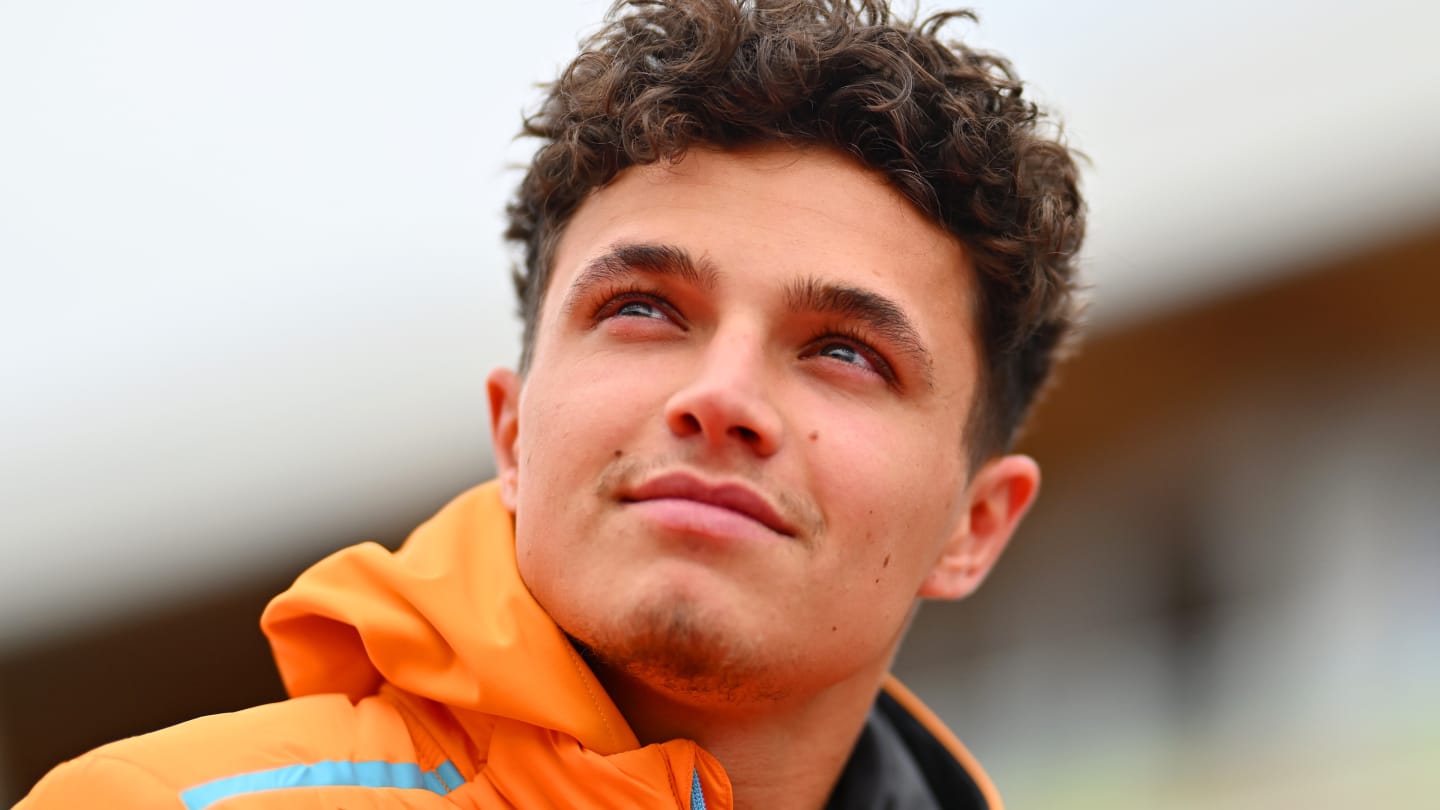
(732, 497)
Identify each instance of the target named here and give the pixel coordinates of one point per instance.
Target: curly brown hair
(946, 124)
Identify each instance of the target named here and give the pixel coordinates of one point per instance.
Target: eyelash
(857, 341)
(613, 298)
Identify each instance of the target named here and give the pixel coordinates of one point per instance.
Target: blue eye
(839, 345)
(635, 303)
(639, 309)
(845, 353)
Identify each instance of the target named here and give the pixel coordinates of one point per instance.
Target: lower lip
(703, 519)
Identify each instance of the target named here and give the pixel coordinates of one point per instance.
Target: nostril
(715, 416)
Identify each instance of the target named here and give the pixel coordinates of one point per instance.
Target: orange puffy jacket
(431, 678)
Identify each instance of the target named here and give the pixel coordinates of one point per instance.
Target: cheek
(553, 448)
(893, 515)
(574, 424)
(567, 418)
(862, 463)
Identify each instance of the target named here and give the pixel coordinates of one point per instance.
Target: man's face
(738, 452)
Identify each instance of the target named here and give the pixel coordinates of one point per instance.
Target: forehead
(803, 206)
(765, 216)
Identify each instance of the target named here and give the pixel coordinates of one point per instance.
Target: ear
(997, 498)
(503, 388)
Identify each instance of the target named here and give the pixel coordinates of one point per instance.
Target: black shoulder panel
(951, 784)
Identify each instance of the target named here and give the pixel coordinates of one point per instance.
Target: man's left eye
(851, 351)
(845, 353)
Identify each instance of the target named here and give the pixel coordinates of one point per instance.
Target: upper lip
(734, 496)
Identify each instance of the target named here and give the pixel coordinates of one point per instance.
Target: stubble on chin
(673, 647)
(673, 643)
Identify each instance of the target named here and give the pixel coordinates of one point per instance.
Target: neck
(777, 752)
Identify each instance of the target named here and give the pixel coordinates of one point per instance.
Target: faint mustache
(627, 473)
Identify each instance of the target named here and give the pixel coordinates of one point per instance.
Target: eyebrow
(624, 259)
(874, 311)
(877, 313)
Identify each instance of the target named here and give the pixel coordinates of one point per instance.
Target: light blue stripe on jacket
(697, 796)
(337, 773)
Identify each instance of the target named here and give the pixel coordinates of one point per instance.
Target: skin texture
(818, 355)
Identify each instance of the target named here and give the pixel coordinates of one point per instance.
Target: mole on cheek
(886, 563)
(814, 434)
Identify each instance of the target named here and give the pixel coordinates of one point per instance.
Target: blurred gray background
(251, 280)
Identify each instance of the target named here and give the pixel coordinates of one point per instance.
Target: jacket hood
(445, 618)
(448, 619)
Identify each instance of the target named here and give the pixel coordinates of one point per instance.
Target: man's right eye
(638, 308)
(637, 304)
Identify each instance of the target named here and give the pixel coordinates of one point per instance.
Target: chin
(677, 645)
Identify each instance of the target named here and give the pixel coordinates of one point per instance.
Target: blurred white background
(253, 278)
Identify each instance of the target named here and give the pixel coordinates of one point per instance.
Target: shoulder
(948, 767)
(171, 767)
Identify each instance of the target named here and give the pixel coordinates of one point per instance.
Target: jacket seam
(590, 693)
(425, 743)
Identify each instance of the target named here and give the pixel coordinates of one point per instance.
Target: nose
(726, 403)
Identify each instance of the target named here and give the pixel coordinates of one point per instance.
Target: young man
(793, 274)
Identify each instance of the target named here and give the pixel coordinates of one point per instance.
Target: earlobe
(998, 497)
(503, 388)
